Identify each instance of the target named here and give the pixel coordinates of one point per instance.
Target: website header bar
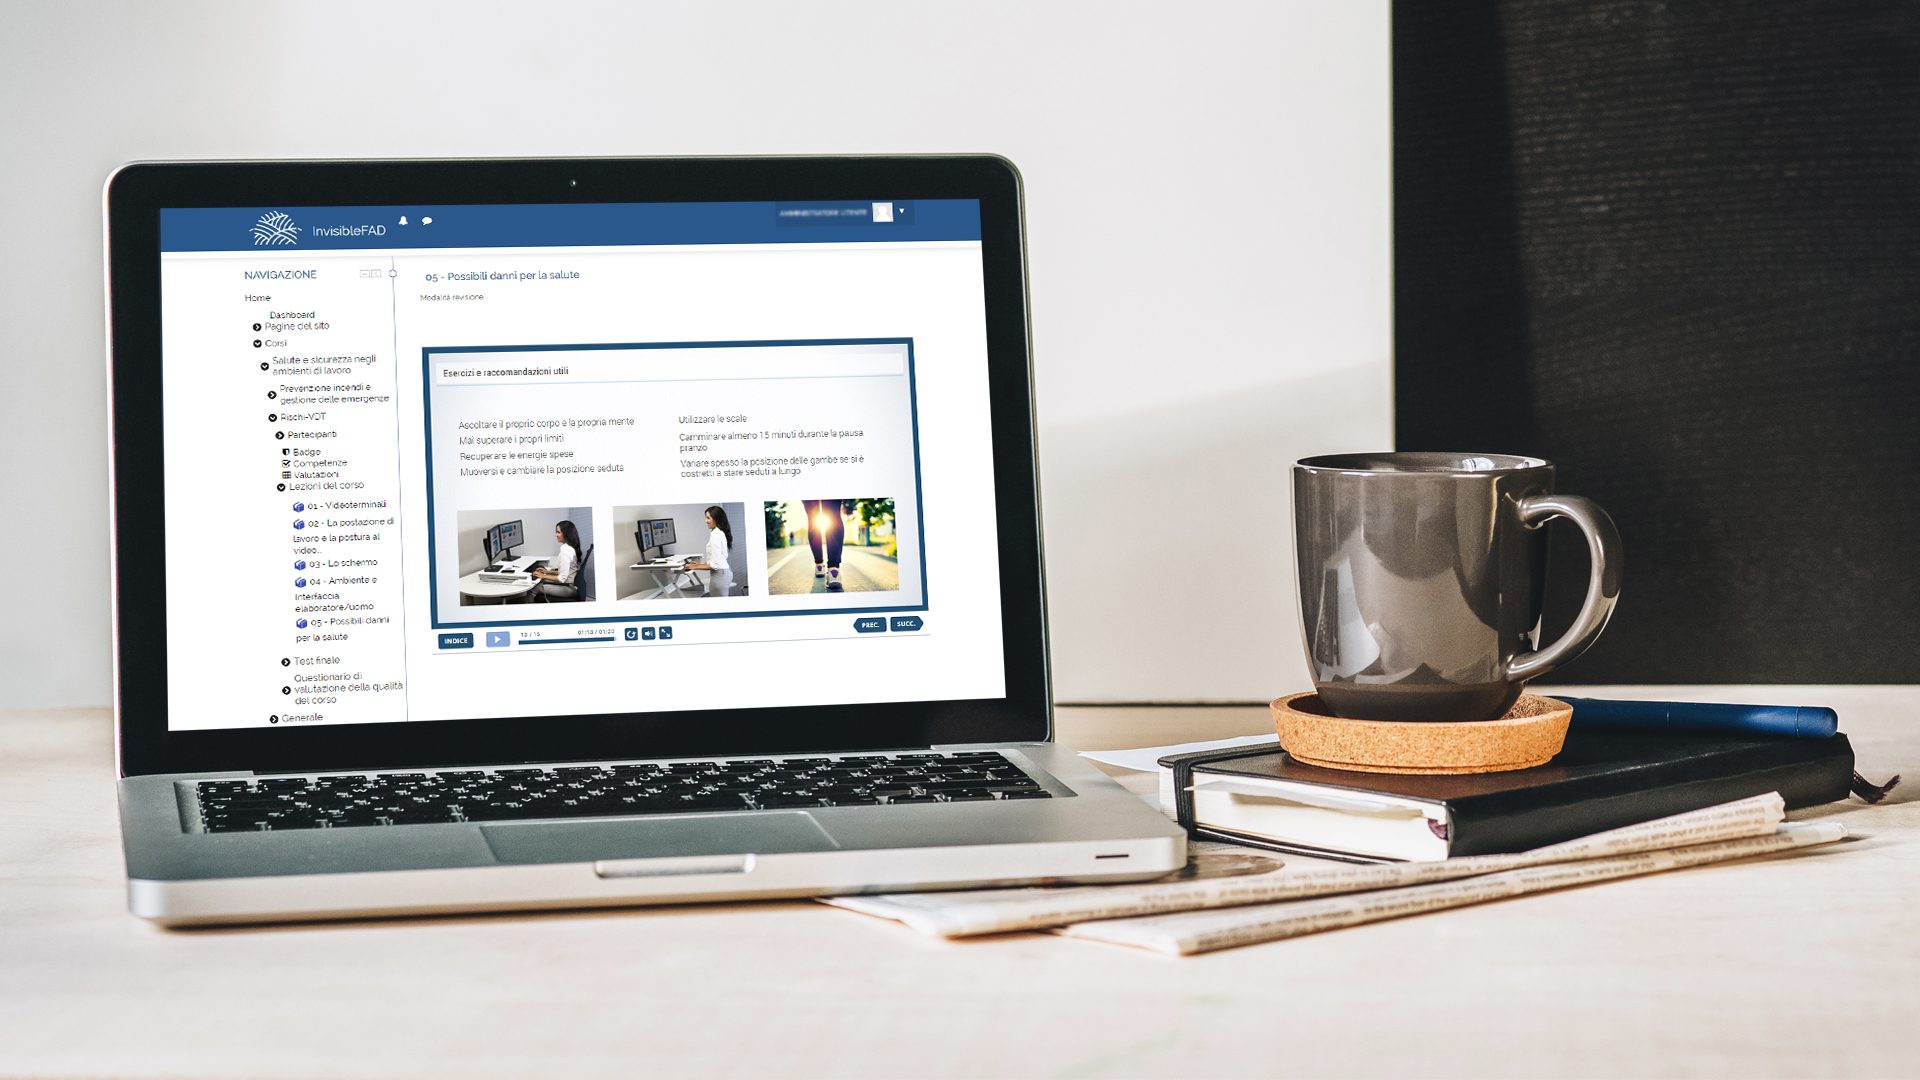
(359, 228)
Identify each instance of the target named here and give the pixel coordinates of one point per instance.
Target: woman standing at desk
(714, 559)
(560, 582)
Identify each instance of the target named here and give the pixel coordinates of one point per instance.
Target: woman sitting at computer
(714, 559)
(561, 580)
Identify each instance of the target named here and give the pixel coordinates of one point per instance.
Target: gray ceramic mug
(1421, 575)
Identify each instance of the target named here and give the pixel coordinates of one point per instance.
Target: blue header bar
(360, 228)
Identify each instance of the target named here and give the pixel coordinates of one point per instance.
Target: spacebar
(483, 812)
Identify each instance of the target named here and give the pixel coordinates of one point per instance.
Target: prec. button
(905, 623)
(873, 624)
(456, 641)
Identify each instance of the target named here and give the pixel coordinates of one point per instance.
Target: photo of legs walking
(852, 543)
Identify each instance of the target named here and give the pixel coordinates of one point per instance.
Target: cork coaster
(1529, 734)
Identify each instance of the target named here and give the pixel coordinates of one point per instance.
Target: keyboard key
(947, 785)
(294, 784)
(723, 802)
(770, 802)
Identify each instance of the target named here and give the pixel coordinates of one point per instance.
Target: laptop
(519, 534)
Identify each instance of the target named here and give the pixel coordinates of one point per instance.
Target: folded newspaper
(1237, 896)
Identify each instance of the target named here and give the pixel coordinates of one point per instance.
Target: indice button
(907, 623)
(456, 641)
(872, 624)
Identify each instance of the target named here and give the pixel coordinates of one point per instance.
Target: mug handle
(1603, 580)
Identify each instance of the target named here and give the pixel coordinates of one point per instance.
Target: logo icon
(275, 229)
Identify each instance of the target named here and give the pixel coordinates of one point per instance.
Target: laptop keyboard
(477, 795)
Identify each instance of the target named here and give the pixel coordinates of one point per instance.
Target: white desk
(666, 576)
(1797, 966)
(475, 587)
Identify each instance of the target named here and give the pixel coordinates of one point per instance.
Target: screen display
(510, 535)
(465, 462)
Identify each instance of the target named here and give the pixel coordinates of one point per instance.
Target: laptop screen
(459, 462)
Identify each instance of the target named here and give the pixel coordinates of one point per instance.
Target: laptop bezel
(136, 193)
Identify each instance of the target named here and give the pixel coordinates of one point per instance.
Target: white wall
(626, 552)
(1208, 207)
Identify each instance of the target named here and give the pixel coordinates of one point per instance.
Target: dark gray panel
(1676, 250)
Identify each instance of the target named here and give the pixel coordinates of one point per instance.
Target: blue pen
(1801, 721)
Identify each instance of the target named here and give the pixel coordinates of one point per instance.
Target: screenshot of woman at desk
(714, 559)
(559, 582)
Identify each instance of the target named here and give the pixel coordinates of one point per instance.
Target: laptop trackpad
(656, 838)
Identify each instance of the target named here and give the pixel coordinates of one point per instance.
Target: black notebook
(1601, 780)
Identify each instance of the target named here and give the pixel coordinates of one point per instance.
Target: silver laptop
(517, 534)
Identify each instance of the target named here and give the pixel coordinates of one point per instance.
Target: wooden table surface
(1797, 966)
